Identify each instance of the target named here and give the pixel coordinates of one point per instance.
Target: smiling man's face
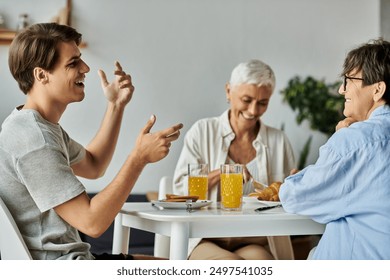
(66, 80)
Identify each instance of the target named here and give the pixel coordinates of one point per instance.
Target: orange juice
(231, 191)
(198, 185)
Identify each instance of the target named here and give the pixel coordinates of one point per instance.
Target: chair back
(161, 242)
(12, 245)
(165, 187)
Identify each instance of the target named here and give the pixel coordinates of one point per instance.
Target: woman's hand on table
(214, 178)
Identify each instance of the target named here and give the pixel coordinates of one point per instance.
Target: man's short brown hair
(36, 46)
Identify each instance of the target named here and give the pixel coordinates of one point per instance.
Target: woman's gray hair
(253, 72)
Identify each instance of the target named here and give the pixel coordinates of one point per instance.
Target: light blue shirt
(348, 189)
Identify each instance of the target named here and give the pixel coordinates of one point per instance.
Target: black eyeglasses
(351, 78)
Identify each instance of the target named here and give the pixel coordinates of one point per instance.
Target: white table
(180, 225)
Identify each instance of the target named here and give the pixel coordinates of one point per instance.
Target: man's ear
(41, 75)
(380, 89)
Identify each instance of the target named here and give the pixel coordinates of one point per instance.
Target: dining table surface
(211, 221)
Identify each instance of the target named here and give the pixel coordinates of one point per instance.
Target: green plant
(318, 103)
(304, 153)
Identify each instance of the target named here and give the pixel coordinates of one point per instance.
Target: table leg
(179, 241)
(120, 242)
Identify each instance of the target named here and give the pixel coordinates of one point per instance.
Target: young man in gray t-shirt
(39, 162)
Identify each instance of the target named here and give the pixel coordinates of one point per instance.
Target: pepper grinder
(22, 22)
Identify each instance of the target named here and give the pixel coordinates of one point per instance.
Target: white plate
(253, 199)
(250, 199)
(181, 205)
(269, 203)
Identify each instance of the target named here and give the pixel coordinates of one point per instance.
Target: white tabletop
(181, 225)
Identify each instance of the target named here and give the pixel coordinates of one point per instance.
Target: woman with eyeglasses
(348, 188)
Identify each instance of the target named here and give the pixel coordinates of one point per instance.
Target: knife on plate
(267, 207)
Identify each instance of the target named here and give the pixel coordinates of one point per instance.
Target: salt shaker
(2, 21)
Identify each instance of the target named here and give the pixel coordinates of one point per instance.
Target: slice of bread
(180, 198)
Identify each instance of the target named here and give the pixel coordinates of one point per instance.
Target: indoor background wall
(180, 54)
(385, 19)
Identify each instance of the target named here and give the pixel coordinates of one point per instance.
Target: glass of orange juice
(198, 180)
(231, 187)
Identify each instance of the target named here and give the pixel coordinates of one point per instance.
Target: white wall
(385, 19)
(181, 52)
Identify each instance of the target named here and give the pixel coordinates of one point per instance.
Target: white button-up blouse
(208, 141)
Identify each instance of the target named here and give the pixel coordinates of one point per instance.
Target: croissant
(271, 193)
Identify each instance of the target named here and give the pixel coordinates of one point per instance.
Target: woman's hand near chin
(345, 123)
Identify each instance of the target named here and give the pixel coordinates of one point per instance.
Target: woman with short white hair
(239, 136)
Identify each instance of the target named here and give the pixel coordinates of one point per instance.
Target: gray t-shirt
(35, 177)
